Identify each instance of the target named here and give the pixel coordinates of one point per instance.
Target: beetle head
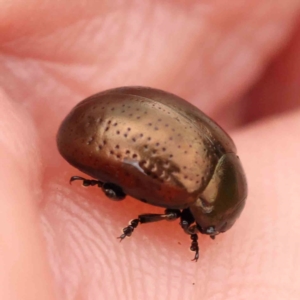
(223, 200)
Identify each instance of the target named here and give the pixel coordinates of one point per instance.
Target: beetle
(160, 149)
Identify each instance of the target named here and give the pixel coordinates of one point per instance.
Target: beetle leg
(87, 182)
(169, 215)
(195, 246)
(111, 190)
(186, 220)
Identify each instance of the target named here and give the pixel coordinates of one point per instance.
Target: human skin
(239, 62)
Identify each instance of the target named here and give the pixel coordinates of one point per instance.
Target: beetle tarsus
(127, 231)
(195, 246)
(86, 182)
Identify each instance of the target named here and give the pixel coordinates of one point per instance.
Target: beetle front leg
(195, 246)
(169, 215)
(186, 222)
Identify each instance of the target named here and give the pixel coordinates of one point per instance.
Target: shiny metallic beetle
(160, 149)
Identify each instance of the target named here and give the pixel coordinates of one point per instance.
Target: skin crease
(237, 62)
